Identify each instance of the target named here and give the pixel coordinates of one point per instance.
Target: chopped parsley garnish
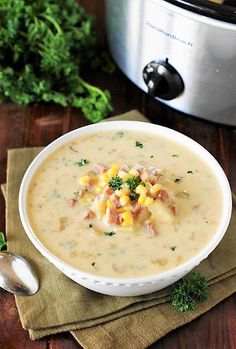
(183, 194)
(172, 248)
(118, 134)
(138, 144)
(133, 182)
(175, 155)
(93, 264)
(2, 241)
(190, 171)
(115, 183)
(82, 162)
(76, 194)
(109, 233)
(55, 193)
(188, 291)
(151, 156)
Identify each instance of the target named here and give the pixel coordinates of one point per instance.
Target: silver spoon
(17, 275)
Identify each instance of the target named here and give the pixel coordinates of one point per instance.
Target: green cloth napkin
(98, 321)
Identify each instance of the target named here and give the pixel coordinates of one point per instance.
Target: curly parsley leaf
(2, 241)
(115, 183)
(138, 144)
(82, 162)
(133, 182)
(188, 291)
(45, 48)
(109, 233)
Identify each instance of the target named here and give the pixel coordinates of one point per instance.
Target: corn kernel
(115, 167)
(101, 208)
(155, 188)
(124, 200)
(104, 179)
(147, 185)
(127, 219)
(112, 172)
(109, 203)
(122, 192)
(148, 201)
(127, 215)
(84, 180)
(140, 189)
(134, 172)
(124, 175)
(127, 192)
(142, 199)
(87, 198)
(99, 188)
(94, 180)
(126, 224)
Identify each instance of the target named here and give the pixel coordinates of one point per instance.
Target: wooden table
(39, 124)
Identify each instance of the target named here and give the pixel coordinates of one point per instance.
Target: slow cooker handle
(153, 82)
(162, 80)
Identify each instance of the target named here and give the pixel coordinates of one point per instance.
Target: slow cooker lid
(224, 10)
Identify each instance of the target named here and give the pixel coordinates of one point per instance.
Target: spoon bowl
(17, 275)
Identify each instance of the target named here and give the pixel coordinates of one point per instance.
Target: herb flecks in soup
(124, 203)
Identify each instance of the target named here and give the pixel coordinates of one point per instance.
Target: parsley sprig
(109, 233)
(138, 144)
(45, 48)
(82, 162)
(2, 241)
(133, 182)
(187, 292)
(115, 183)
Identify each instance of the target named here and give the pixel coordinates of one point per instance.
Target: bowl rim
(144, 127)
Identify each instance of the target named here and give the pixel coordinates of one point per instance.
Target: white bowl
(139, 285)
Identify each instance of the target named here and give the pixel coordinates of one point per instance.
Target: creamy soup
(124, 204)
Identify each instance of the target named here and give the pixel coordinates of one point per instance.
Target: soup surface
(123, 203)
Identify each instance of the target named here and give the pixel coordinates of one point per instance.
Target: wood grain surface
(39, 124)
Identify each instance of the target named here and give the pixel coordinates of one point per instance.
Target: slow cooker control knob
(162, 80)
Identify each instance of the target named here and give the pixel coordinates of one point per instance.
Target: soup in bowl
(125, 208)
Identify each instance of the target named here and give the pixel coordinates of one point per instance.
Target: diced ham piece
(111, 216)
(71, 202)
(144, 175)
(147, 176)
(164, 196)
(174, 210)
(138, 167)
(88, 214)
(136, 210)
(151, 228)
(152, 179)
(80, 193)
(100, 168)
(120, 219)
(108, 191)
(115, 200)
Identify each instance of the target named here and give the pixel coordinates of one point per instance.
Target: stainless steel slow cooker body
(184, 58)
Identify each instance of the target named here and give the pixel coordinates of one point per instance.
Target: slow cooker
(181, 52)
